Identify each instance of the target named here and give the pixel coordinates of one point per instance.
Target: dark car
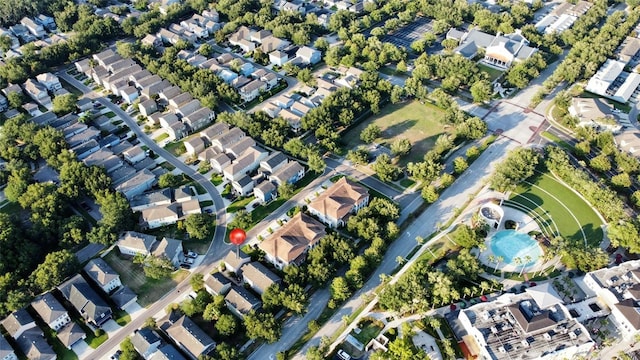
(185, 266)
(85, 206)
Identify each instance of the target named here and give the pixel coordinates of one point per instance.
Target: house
(167, 36)
(151, 41)
(338, 201)
(199, 118)
(31, 109)
(141, 182)
(4, 104)
(187, 108)
(211, 14)
(182, 194)
(213, 131)
(15, 42)
(259, 277)
(258, 36)
(219, 162)
(234, 260)
(223, 141)
(227, 76)
(239, 147)
(167, 120)
(133, 243)
(82, 151)
(190, 207)
(34, 28)
(194, 145)
(273, 43)
(217, 284)
(167, 352)
(247, 162)
(178, 100)
(243, 186)
(630, 52)
(225, 58)
(6, 351)
(309, 56)
(50, 81)
(611, 81)
(240, 81)
(176, 131)
(278, 57)
(500, 50)
(18, 322)
(148, 107)
(86, 301)
(154, 89)
(51, 311)
(134, 154)
(37, 92)
(294, 120)
(129, 94)
(123, 297)
(161, 215)
(291, 242)
(103, 275)
(265, 191)
(71, 335)
(273, 162)
(170, 249)
(241, 301)
(252, 90)
(146, 341)
(289, 173)
(190, 338)
(154, 198)
(34, 346)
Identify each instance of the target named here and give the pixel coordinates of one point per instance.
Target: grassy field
(571, 214)
(419, 123)
(493, 73)
(148, 290)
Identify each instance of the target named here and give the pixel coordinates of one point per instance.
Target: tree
(54, 269)
(226, 325)
(242, 220)
(286, 190)
(157, 267)
(429, 194)
(465, 236)
(481, 91)
(305, 76)
(128, 350)
(5, 43)
(600, 163)
(518, 166)
(197, 282)
(262, 326)
(315, 162)
(385, 170)
(15, 99)
(460, 165)
(215, 309)
(359, 156)
(370, 133)
(400, 147)
(205, 50)
(199, 226)
(624, 234)
(64, 104)
(340, 289)
(168, 180)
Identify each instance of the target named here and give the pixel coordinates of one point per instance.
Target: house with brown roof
(340, 200)
(190, 337)
(35, 346)
(226, 139)
(132, 243)
(258, 277)
(103, 275)
(234, 260)
(241, 301)
(18, 322)
(291, 242)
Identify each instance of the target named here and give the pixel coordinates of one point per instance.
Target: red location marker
(237, 236)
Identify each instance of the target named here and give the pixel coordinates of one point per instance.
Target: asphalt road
(216, 250)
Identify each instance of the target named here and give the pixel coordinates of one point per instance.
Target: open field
(148, 290)
(419, 123)
(572, 215)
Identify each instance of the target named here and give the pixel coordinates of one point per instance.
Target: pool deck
(525, 225)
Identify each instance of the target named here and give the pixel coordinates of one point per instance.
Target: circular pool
(510, 244)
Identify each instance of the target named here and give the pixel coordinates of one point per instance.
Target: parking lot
(410, 33)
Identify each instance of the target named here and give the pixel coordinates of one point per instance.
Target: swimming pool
(511, 244)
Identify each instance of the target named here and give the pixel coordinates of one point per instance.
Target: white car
(343, 355)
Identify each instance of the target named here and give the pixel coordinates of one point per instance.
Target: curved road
(216, 250)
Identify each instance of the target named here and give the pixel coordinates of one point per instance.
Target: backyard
(570, 213)
(492, 72)
(148, 290)
(419, 123)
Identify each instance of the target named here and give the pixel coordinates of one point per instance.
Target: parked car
(185, 266)
(192, 254)
(116, 355)
(188, 261)
(208, 211)
(85, 206)
(343, 355)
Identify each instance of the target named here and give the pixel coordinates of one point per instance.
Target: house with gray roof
(86, 301)
(6, 351)
(103, 275)
(124, 297)
(217, 284)
(154, 198)
(259, 277)
(146, 342)
(248, 161)
(167, 352)
(71, 335)
(171, 249)
(18, 322)
(265, 191)
(190, 337)
(86, 149)
(273, 162)
(219, 162)
(148, 107)
(199, 118)
(241, 301)
(243, 186)
(501, 50)
(234, 260)
(213, 131)
(141, 182)
(289, 173)
(132, 243)
(34, 346)
(51, 311)
(224, 140)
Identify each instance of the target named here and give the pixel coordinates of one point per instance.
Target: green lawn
(419, 123)
(493, 73)
(368, 330)
(161, 137)
(148, 290)
(176, 148)
(239, 204)
(216, 179)
(571, 214)
(110, 114)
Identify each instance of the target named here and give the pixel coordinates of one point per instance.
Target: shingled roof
(291, 240)
(339, 199)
